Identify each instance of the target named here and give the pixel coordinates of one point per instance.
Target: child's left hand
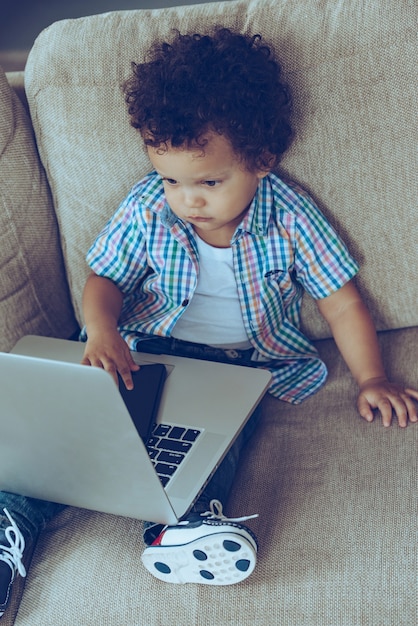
(389, 398)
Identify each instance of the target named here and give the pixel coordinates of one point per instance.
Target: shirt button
(185, 302)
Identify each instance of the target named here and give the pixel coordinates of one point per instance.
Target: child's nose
(193, 199)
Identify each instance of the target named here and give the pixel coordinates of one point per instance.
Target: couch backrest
(351, 68)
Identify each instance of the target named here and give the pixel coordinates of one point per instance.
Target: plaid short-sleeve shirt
(283, 246)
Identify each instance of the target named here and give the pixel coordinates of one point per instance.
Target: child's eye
(211, 183)
(170, 181)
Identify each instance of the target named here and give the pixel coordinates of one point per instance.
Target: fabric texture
(33, 290)
(349, 66)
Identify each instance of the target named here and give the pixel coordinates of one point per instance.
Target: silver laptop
(66, 434)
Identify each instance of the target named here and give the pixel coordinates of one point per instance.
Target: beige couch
(336, 496)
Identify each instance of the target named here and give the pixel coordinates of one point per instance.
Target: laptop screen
(143, 400)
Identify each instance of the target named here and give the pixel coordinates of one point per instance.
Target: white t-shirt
(213, 316)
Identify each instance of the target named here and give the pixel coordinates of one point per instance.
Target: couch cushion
(33, 289)
(337, 527)
(350, 66)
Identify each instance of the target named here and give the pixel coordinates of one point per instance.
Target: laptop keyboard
(168, 447)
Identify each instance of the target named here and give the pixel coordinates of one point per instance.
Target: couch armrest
(34, 294)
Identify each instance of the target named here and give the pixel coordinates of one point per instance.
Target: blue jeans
(32, 515)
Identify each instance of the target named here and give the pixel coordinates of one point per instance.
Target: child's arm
(355, 336)
(105, 348)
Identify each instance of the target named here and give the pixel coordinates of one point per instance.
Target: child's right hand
(110, 352)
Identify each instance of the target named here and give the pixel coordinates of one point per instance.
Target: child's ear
(270, 160)
(262, 173)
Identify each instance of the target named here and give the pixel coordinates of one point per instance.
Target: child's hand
(110, 352)
(379, 393)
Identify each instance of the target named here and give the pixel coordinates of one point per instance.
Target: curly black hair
(224, 82)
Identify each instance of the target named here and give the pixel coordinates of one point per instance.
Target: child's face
(209, 188)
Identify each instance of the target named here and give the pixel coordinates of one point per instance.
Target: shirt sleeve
(323, 263)
(119, 252)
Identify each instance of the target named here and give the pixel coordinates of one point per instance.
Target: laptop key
(170, 457)
(165, 469)
(174, 446)
(176, 432)
(191, 435)
(161, 430)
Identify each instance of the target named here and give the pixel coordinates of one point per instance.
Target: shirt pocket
(280, 294)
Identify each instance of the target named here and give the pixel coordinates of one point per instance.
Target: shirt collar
(153, 196)
(257, 218)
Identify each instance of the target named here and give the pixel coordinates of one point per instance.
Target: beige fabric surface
(33, 293)
(337, 529)
(16, 80)
(352, 70)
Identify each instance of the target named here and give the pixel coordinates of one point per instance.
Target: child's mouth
(197, 218)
